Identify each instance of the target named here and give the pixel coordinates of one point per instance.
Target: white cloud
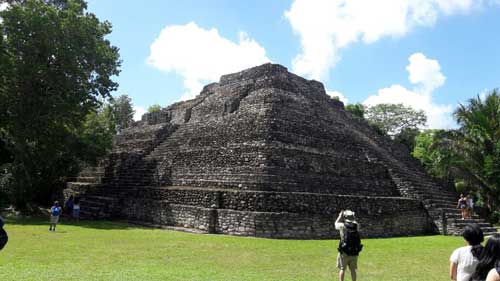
(139, 111)
(483, 93)
(327, 26)
(425, 71)
(201, 56)
(341, 96)
(426, 76)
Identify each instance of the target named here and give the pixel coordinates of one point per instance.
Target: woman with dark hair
(488, 267)
(464, 260)
(462, 205)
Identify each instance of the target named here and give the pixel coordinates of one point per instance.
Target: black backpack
(3, 238)
(350, 244)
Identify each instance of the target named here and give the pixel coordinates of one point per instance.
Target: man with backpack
(349, 245)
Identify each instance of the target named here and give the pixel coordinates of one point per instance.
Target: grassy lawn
(116, 251)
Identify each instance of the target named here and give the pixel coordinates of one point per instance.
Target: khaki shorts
(54, 219)
(343, 261)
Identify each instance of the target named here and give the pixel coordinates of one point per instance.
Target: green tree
(392, 119)
(97, 134)
(154, 108)
(435, 151)
(407, 137)
(356, 109)
(55, 68)
(477, 146)
(470, 154)
(123, 112)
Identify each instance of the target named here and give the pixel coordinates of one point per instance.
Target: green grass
(116, 251)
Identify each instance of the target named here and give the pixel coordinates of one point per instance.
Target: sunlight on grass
(116, 251)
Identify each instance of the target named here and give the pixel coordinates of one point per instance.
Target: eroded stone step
(481, 224)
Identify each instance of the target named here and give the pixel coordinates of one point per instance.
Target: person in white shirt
(463, 261)
(470, 206)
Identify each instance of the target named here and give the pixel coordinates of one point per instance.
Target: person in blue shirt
(55, 212)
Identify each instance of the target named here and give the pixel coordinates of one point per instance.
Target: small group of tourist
(474, 262)
(466, 206)
(71, 209)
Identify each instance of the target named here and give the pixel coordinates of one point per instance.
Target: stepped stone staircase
(438, 197)
(265, 135)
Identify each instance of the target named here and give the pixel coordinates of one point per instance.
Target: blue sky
(430, 54)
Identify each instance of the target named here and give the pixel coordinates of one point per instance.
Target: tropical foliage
(471, 153)
(356, 109)
(154, 108)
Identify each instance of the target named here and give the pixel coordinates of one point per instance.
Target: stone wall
(276, 215)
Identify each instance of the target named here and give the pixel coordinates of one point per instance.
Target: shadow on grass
(98, 224)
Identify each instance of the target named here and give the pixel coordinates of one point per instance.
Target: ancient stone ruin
(264, 153)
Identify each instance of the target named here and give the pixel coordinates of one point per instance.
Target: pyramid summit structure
(264, 153)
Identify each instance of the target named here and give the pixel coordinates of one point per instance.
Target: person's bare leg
(341, 275)
(353, 275)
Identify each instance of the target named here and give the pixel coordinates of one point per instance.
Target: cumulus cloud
(202, 55)
(327, 26)
(339, 95)
(425, 74)
(138, 112)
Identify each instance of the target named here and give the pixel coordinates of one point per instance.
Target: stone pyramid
(264, 153)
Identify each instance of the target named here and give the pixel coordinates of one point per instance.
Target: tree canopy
(392, 119)
(56, 67)
(357, 109)
(123, 112)
(477, 145)
(471, 153)
(154, 108)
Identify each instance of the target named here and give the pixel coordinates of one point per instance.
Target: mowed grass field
(117, 251)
